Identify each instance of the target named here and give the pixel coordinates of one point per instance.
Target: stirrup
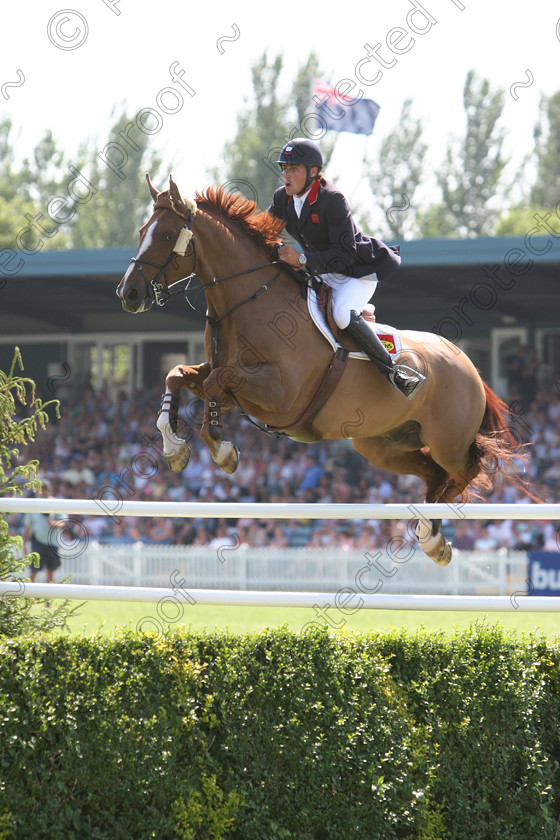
(407, 388)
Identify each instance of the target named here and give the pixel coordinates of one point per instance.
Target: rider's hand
(289, 255)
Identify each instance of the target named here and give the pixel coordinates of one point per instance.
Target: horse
(266, 357)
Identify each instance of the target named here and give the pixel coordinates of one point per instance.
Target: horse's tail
(497, 449)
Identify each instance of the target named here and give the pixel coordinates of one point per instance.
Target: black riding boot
(403, 378)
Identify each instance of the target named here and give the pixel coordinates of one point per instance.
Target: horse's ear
(174, 193)
(153, 192)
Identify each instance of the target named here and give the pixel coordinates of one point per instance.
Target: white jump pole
(345, 601)
(116, 507)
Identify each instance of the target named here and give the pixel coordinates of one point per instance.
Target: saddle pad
(388, 335)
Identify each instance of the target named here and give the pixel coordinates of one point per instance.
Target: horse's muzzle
(132, 299)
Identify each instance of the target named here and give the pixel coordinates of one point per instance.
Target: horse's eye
(169, 237)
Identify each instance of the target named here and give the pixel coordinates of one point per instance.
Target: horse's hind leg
(461, 466)
(394, 456)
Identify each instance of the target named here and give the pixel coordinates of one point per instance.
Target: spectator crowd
(110, 450)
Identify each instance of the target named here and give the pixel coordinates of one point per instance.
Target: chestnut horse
(265, 356)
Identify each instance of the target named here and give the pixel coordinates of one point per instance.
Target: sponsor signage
(544, 573)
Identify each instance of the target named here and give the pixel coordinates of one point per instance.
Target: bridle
(159, 293)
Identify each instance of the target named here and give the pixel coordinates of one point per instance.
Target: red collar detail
(312, 197)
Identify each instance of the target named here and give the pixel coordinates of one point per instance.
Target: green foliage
(520, 220)
(261, 126)
(19, 615)
(26, 189)
(13, 221)
(116, 205)
(112, 217)
(546, 189)
(16, 391)
(395, 177)
(208, 814)
(280, 735)
(471, 177)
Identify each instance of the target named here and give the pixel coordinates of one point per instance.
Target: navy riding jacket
(329, 236)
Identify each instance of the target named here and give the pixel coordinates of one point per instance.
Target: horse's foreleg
(191, 377)
(176, 449)
(264, 386)
(224, 453)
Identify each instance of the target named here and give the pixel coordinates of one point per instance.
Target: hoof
(445, 555)
(180, 459)
(432, 542)
(232, 462)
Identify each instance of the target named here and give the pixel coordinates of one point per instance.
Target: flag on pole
(338, 112)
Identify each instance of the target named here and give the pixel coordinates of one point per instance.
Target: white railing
(116, 507)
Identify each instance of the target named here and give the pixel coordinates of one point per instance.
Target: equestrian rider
(317, 215)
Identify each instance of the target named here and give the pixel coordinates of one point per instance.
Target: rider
(317, 215)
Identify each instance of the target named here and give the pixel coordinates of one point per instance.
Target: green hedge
(280, 735)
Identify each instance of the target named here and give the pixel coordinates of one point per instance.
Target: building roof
(462, 284)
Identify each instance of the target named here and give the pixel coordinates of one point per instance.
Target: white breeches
(349, 293)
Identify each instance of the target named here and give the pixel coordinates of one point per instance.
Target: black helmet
(300, 150)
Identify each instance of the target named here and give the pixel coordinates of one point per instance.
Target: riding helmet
(301, 150)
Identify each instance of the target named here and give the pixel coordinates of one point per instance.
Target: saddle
(324, 301)
(319, 300)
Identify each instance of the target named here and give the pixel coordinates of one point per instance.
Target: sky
(184, 70)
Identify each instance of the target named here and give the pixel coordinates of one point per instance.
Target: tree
(26, 190)
(471, 179)
(19, 191)
(518, 220)
(397, 173)
(19, 615)
(106, 214)
(546, 189)
(264, 126)
(11, 180)
(541, 197)
(112, 215)
(13, 219)
(259, 129)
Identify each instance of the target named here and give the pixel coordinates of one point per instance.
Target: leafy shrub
(280, 735)
(20, 615)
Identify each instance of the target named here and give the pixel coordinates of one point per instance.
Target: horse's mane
(258, 224)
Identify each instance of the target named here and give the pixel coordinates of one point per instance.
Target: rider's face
(295, 175)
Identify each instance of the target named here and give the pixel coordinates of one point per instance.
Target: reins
(264, 288)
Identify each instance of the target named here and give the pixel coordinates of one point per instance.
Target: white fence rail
(116, 507)
(345, 602)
